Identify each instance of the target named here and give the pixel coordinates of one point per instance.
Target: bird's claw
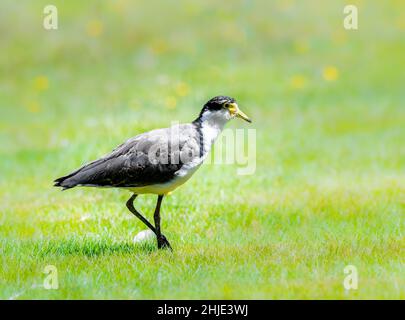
(163, 243)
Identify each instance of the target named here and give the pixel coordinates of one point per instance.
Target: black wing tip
(60, 182)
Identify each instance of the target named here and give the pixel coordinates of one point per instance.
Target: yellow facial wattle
(235, 111)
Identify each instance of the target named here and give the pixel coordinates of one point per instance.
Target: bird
(158, 161)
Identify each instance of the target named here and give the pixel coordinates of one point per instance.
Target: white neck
(212, 124)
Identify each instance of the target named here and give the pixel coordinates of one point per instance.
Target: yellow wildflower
(182, 89)
(170, 102)
(41, 83)
(298, 81)
(94, 28)
(330, 73)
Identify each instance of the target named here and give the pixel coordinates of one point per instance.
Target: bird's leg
(161, 239)
(130, 206)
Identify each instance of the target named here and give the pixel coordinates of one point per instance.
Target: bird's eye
(226, 105)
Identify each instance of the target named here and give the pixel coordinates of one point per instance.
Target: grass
(328, 109)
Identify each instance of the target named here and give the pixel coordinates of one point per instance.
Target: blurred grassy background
(328, 106)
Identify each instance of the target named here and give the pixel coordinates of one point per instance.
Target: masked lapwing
(158, 161)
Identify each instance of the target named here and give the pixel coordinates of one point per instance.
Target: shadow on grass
(91, 248)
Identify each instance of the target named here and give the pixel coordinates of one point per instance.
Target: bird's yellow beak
(235, 111)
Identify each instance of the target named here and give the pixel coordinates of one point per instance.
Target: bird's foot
(163, 243)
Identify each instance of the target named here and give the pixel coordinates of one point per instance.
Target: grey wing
(150, 158)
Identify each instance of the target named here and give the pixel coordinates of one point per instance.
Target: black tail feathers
(64, 183)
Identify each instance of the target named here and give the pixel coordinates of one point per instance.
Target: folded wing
(150, 158)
